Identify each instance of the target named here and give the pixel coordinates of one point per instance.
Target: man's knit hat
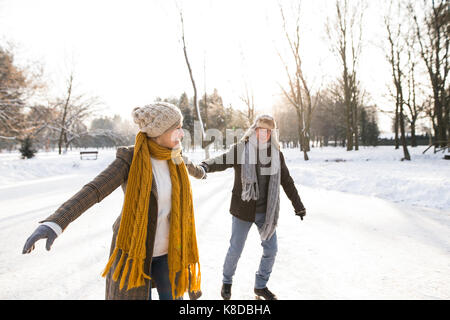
(265, 121)
(156, 118)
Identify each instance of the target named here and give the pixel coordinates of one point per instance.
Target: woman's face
(172, 138)
(263, 135)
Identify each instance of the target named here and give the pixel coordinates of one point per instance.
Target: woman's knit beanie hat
(156, 118)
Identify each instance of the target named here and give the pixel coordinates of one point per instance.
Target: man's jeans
(239, 232)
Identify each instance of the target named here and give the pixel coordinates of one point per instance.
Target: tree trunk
(193, 85)
(441, 133)
(403, 136)
(396, 121)
(413, 134)
(60, 141)
(355, 124)
(400, 103)
(348, 108)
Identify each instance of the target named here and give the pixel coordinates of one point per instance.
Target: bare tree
(205, 144)
(414, 107)
(433, 36)
(72, 109)
(298, 93)
(17, 86)
(13, 83)
(396, 47)
(345, 34)
(247, 97)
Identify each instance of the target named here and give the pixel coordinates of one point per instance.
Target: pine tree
(187, 111)
(26, 149)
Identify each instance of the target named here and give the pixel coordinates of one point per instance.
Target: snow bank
(378, 172)
(14, 170)
(372, 171)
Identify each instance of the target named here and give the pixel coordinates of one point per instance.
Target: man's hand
(301, 213)
(205, 168)
(42, 232)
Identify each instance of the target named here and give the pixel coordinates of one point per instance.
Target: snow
(378, 172)
(376, 228)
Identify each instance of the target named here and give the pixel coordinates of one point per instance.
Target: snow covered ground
(377, 172)
(376, 228)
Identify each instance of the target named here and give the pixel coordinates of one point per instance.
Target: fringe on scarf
(188, 279)
(134, 267)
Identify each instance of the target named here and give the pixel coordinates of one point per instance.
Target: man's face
(263, 135)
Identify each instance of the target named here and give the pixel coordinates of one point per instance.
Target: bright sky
(129, 52)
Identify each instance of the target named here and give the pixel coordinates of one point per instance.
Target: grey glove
(42, 232)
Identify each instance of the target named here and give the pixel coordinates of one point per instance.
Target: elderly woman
(154, 240)
(259, 171)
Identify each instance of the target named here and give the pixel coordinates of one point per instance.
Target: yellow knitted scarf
(131, 239)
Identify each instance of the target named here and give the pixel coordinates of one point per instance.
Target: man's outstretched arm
(221, 162)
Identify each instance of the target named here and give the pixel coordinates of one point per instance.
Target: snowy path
(348, 247)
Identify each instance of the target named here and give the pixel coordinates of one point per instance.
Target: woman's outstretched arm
(91, 193)
(94, 191)
(194, 170)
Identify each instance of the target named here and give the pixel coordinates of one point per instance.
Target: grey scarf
(250, 190)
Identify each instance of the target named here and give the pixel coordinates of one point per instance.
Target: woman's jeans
(239, 232)
(160, 275)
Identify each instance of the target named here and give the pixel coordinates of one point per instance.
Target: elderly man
(259, 170)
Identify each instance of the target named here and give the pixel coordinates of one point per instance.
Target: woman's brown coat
(115, 175)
